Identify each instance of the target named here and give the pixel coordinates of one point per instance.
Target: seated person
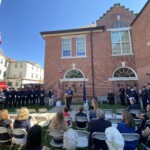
(92, 109)
(58, 123)
(70, 140)
(115, 140)
(81, 114)
(22, 120)
(7, 123)
(33, 143)
(110, 97)
(127, 126)
(99, 125)
(133, 105)
(66, 114)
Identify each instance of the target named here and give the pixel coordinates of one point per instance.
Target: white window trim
(70, 48)
(84, 47)
(123, 79)
(118, 30)
(74, 79)
(73, 57)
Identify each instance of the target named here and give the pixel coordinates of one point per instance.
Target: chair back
(81, 119)
(68, 118)
(19, 132)
(31, 111)
(138, 122)
(147, 123)
(130, 136)
(17, 110)
(3, 130)
(115, 120)
(82, 133)
(99, 136)
(135, 111)
(119, 111)
(108, 113)
(56, 133)
(42, 110)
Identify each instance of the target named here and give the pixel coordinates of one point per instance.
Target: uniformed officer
(122, 95)
(41, 94)
(18, 97)
(128, 94)
(111, 97)
(144, 97)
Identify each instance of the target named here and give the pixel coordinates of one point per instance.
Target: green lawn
(47, 140)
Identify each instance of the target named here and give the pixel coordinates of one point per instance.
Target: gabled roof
(140, 12)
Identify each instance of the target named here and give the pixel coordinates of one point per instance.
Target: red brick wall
(104, 63)
(141, 35)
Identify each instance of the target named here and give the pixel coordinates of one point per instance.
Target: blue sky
(21, 22)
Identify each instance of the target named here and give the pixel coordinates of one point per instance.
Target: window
(121, 42)
(16, 65)
(1, 61)
(124, 72)
(20, 74)
(74, 74)
(36, 76)
(66, 47)
(21, 65)
(5, 63)
(32, 75)
(0, 71)
(17, 84)
(80, 46)
(4, 74)
(15, 74)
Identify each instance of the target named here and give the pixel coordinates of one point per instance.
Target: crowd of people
(23, 97)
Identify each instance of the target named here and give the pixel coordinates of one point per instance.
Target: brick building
(105, 54)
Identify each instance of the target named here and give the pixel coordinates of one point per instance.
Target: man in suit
(69, 95)
(99, 125)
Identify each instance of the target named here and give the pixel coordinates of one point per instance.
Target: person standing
(69, 95)
(111, 98)
(41, 93)
(144, 95)
(128, 94)
(148, 94)
(51, 97)
(122, 95)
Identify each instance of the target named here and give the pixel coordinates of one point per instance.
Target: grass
(47, 140)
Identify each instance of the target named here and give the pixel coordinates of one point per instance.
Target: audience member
(7, 123)
(23, 119)
(70, 140)
(127, 126)
(34, 139)
(115, 139)
(66, 114)
(99, 125)
(133, 104)
(92, 109)
(58, 123)
(81, 114)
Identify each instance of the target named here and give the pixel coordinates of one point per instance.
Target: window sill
(73, 57)
(130, 54)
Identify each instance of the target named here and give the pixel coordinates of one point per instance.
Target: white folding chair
(57, 134)
(42, 121)
(83, 139)
(81, 120)
(99, 136)
(138, 122)
(68, 119)
(108, 113)
(147, 123)
(118, 113)
(4, 130)
(19, 132)
(128, 137)
(115, 121)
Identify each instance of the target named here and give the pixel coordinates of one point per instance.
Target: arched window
(124, 72)
(74, 73)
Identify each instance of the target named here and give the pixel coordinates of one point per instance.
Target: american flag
(58, 91)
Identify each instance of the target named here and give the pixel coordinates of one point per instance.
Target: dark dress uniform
(36, 92)
(144, 97)
(111, 98)
(14, 97)
(8, 100)
(69, 95)
(41, 95)
(18, 97)
(122, 96)
(32, 97)
(22, 97)
(128, 95)
(26, 99)
(148, 96)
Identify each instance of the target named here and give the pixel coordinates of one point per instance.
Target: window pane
(66, 47)
(124, 36)
(116, 48)
(126, 47)
(80, 46)
(115, 37)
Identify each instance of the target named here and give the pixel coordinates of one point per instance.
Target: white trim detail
(130, 54)
(72, 57)
(119, 29)
(123, 79)
(148, 43)
(74, 79)
(74, 69)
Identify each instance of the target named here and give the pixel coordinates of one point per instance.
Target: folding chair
(108, 113)
(83, 139)
(118, 113)
(99, 136)
(128, 137)
(42, 110)
(144, 146)
(42, 121)
(147, 123)
(17, 110)
(32, 111)
(56, 134)
(4, 130)
(68, 119)
(19, 132)
(81, 121)
(115, 121)
(135, 111)
(138, 122)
